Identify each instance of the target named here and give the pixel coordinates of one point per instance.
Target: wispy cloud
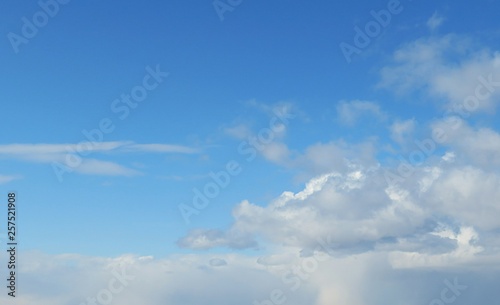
(450, 69)
(349, 112)
(435, 21)
(9, 178)
(69, 154)
(401, 131)
(106, 168)
(158, 148)
(88, 147)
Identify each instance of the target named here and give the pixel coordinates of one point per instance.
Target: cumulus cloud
(352, 211)
(469, 195)
(321, 158)
(402, 131)
(431, 65)
(479, 146)
(360, 211)
(349, 236)
(362, 279)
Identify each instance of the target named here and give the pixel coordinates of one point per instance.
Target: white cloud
(350, 112)
(276, 152)
(98, 167)
(428, 64)
(435, 21)
(401, 131)
(268, 140)
(74, 156)
(32, 150)
(464, 252)
(358, 212)
(438, 224)
(321, 158)
(353, 210)
(185, 279)
(480, 146)
(228, 279)
(240, 131)
(9, 178)
(158, 148)
(206, 239)
(468, 195)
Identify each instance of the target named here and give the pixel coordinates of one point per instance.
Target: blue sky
(210, 81)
